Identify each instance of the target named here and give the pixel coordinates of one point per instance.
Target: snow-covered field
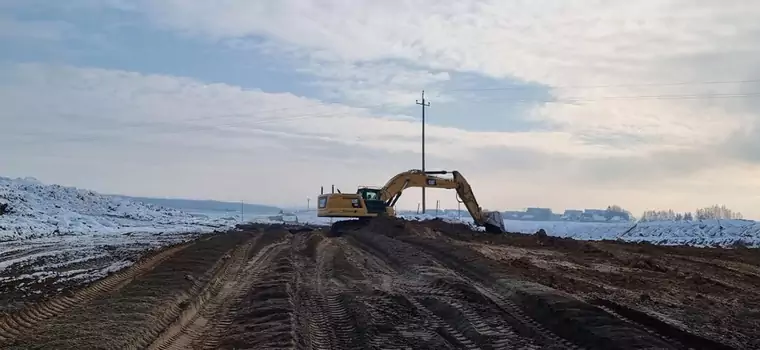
(698, 233)
(53, 236)
(39, 210)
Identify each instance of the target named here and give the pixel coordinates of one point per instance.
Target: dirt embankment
(396, 284)
(710, 292)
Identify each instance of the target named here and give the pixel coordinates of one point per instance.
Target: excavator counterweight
(370, 202)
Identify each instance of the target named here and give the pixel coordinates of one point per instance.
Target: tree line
(708, 213)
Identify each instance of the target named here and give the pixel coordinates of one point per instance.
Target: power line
(382, 105)
(638, 97)
(358, 111)
(507, 101)
(571, 100)
(523, 87)
(293, 109)
(507, 88)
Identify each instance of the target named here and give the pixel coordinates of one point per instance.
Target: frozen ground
(38, 267)
(696, 233)
(54, 237)
(39, 210)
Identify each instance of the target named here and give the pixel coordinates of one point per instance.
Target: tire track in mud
(323, 287)
(548, 317)
(313, 281)
(454, 324)
(224, 317)
(338, 279)
(263, 316)
(483, 319)
(26, 320)
(201, 312)
(439, 324)
(365, 290)
(134, 315)
(658, 327)
(476, 323)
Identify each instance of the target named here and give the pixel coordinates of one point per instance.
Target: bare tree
(717, 212)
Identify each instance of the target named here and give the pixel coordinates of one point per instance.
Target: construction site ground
(403, 285)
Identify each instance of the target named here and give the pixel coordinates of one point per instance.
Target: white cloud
(151, 102)
(33, 30)
(112, 121)
(384, 52)
(548, 42)
(126, 132)
(375, 84)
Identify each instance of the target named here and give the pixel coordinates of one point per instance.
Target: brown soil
(396, 284)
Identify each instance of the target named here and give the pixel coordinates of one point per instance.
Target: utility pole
(423, 104)
(241, 211)
(308, 201)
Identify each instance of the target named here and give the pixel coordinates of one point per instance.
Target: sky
(650, 104)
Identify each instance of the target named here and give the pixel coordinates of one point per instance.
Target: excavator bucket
(494, 222)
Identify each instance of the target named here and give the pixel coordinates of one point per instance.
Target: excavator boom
(391, 192)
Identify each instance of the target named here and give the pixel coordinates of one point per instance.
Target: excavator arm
(393, 189)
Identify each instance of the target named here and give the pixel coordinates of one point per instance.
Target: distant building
(594, 215)
(613, 215)
(572, 215)
(539, 214)
(586, 215)
(513, 215)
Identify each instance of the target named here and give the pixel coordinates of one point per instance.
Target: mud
(34, 270)
(396, 284)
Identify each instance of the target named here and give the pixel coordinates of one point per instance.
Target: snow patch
(38, 210)
(702, 233)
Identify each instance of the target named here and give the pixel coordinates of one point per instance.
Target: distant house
(594, 215)
(572, 215)
(539, 214)
(513, 215)
(613, 215)
(588, 215)
(599, 215)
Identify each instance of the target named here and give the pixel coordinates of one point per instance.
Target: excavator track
(340, 227)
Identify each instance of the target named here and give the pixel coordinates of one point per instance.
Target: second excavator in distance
(370, 202)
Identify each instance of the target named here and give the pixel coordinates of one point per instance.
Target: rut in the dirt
(135, 312)
(208, 320)
(383, 286)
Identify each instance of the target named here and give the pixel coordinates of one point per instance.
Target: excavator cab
(372, 200)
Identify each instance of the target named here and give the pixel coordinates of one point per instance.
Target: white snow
(39, 210)
(59, 234)
(696, 233)
(76, 258)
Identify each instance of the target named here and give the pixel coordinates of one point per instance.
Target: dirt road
(400, 285)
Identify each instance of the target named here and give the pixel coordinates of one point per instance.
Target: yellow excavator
(369, 202)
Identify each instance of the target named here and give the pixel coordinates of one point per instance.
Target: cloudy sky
(648, 104)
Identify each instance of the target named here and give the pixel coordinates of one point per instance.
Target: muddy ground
(37, 269)
(405, 285)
